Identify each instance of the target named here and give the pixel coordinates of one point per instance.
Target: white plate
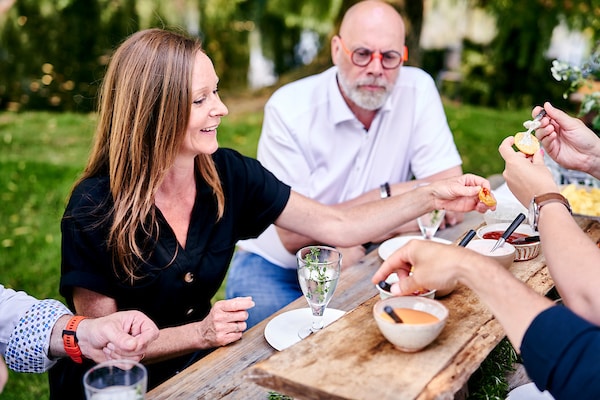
(391, 245)
(282, 331)
(528, 392)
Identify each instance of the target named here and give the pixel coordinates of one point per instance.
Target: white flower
(582, 75)
(560, 70)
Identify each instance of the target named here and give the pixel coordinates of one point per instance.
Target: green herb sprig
(314, 266)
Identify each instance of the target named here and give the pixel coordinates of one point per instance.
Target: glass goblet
(318, 274)
(430, 222)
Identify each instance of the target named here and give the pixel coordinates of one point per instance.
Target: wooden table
(350, 359)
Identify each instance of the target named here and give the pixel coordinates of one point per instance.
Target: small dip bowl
(505, 254)
(410, 336)
(525, 251)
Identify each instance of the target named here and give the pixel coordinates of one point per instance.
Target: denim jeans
(270, 286)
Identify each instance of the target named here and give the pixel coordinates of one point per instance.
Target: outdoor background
(490, 58)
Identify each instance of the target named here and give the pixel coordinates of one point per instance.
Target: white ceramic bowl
(392, 278)
(505, 254)
(388, 247)
(409, 337)
(525, 251)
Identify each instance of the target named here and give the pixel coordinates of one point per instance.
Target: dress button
(190, 311)
(189, 277)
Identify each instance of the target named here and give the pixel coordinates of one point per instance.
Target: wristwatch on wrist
(541, 200)
(70, 339)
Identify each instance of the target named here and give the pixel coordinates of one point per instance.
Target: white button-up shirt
(312, 141)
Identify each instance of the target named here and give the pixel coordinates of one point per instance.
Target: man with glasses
(357, 132)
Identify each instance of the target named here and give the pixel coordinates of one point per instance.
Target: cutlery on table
(527, 239)
(468, 236)
(511, 228)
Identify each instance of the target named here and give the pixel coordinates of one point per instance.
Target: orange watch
(70, 339)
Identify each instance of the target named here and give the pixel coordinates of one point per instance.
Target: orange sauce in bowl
(413, 317)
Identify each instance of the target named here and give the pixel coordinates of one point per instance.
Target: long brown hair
(144, 108)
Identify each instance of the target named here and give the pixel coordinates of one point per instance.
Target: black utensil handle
(390, 311)
(525, 240)
(514, 225)
(385, 286)
(470, 235)
(540, 115)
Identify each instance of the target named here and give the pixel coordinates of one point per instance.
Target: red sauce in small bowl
(497, 234)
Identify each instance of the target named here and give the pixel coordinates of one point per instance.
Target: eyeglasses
(361, 57)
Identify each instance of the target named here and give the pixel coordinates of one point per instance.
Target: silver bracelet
(385, 190)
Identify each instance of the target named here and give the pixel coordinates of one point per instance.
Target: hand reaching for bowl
(422, 263)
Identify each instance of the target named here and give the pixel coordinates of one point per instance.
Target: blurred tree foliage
(513, 70)
(53, 52)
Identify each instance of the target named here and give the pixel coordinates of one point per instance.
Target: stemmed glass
(429, 223)
(318, 273)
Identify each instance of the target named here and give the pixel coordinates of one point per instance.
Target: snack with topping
(527, 143)
(487, 198)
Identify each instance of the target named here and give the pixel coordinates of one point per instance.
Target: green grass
(41, 155)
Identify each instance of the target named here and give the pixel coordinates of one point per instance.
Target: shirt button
(189, 312)
(189, 277)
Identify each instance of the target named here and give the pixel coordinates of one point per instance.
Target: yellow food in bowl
(584, 200)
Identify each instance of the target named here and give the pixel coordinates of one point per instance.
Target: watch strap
(546, 198)
(70, 341)
(541, 200)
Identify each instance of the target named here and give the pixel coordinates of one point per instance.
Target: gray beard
(367, 100)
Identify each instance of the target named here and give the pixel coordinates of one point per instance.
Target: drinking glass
(116, 380)
(318, 273)
(430, 222)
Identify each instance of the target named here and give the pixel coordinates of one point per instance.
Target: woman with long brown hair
(153, 222)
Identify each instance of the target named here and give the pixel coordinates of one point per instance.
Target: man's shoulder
(414, 75)
(304, 88)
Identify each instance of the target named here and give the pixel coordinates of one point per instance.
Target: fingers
(407, 285)
(112, 353)
(536, 110)
(474, 181)
(229, 318)
(236, 304)
(395, 263)
(240, 326)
